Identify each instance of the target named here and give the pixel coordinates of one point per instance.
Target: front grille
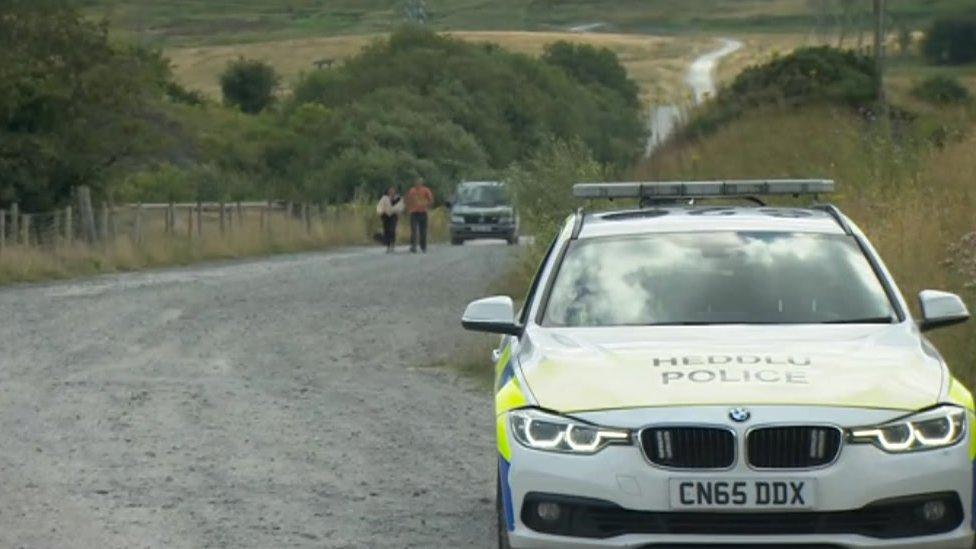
(886, 519)
(795, 447)
(477, 218)
(689, 447)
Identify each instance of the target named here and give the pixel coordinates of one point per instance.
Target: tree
(72, 106)
(593, 65)
(249, 85)
(951, 41)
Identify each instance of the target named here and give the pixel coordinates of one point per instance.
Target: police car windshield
(716, 278)
(485, 196)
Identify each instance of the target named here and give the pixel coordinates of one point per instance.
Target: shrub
(419, 102)
(806, 76)
(941, 90)
(249, 85)
(592, 65)
(951, 41)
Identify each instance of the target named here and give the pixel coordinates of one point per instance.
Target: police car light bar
(702, 189)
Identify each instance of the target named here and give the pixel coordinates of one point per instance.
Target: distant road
(665, 119)
(701, 73)
(272, 403)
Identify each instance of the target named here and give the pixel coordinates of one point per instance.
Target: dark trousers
(418, 231)
(389, 230)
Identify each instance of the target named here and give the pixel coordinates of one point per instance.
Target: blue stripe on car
(507, 374)
(503, 467)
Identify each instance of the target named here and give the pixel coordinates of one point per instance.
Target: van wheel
(456, 241)
(513, 240)
(503, 542)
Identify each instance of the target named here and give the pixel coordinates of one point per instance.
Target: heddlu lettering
(721, 360)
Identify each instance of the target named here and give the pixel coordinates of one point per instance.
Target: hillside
(176, 22)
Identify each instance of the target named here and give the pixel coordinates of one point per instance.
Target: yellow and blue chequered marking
(508, 396)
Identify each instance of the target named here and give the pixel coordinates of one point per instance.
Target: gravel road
(274, 403)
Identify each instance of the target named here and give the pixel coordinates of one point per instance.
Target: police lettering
(745, 375)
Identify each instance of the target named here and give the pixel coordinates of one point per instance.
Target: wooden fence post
(267, 216)
(69, 226)
(223, 221)
(189, 222)
(137, 225)
(113, 220)
(171, 218)
(103, 222)
(306, 218)
(3, 230)
(25, 229)
(87, 213)
(56, 228)
(240, 214)
(14, 222)
(199, 219)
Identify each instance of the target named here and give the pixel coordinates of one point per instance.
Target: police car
(693, 374)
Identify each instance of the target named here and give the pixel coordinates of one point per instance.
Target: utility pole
(879, 52)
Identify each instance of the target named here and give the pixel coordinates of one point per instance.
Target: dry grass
(348, 226)
(914, 201)
(657, 63)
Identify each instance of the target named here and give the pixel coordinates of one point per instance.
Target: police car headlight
(936, 428)
(549, 432)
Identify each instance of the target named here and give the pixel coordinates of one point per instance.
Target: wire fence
(141, 222)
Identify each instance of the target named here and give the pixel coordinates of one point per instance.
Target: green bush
(951, 41)
(806, 76)
(249, 85)
(941, 90)
(423, 103)
(593, 66)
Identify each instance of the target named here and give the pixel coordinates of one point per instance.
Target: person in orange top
(419, 199)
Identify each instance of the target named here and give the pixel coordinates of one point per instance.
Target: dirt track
(273, 403)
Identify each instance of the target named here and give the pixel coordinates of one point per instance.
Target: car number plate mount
(738, 494)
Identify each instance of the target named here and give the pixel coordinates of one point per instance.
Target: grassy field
(187, 22)
(914, 200)
(349, 225)
(657, 63)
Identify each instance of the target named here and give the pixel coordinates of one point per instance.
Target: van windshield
(717, 278)
(485, 196)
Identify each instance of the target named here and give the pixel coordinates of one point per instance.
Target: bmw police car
(690, 374)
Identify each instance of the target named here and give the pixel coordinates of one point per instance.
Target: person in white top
(389, 209)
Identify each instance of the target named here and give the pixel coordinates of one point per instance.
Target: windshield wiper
(870, 320)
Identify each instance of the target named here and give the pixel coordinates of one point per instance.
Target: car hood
(571, 369)
(492, 210)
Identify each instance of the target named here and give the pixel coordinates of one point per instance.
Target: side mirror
(495, 315)
(941, 309)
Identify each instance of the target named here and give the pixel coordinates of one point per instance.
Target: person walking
(419, 200)
(389, 209)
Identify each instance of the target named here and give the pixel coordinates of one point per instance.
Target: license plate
(481, 228)
(733, 494)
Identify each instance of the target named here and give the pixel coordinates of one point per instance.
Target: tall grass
(346, 226)
(914, 198)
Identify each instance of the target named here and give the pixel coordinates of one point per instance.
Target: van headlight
(552, 433)
(936, 428)
(457, 219)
